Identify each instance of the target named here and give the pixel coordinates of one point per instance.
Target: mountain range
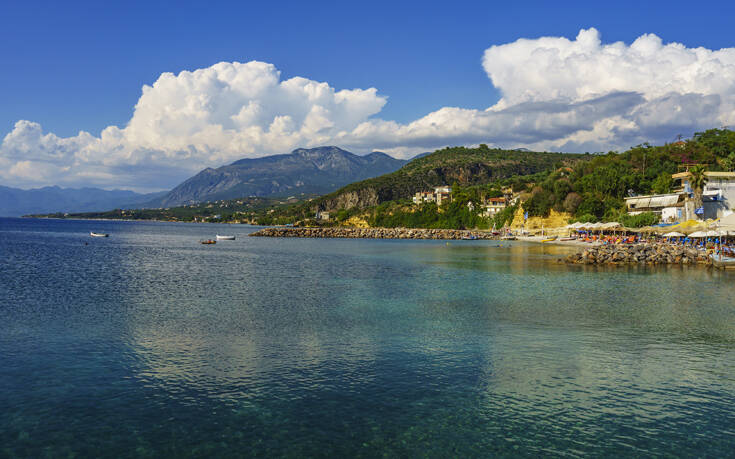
(15, 202)
(304, 171)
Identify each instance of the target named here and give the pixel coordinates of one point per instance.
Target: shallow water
(147, 343)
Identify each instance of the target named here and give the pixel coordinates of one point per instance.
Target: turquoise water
(147, 343)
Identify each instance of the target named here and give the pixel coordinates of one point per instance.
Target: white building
(718, 195)
(423, 196)
(494, 206)
(439, 195)
(670, 206)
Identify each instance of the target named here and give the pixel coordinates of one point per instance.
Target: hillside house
(493, 206)
(423, 196)
(443, 194)
(440, 195)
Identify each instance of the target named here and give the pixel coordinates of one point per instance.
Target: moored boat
(208, 241)
(225, 238)
(93, 234)
(549, 239)
(722, 262)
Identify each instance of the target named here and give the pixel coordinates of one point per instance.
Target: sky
(142, 95)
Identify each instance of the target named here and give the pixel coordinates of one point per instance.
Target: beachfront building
(718, 197)
(671, 207)
(493, 206)
(440, 195)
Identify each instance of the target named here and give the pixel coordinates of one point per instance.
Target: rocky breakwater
(652, 254)
(372, 233)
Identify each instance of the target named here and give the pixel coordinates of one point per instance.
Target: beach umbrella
(674, 234)
(698, 234)
(646, 229)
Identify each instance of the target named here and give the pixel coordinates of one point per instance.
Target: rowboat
(93, 234)
(208, 241)
(723, 262)
(549, 239)
(225, 238)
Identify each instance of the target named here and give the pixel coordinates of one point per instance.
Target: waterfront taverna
(718, 199)
(718, 195)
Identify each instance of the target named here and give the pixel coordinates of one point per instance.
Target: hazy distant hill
(16, 202)
(312, 171)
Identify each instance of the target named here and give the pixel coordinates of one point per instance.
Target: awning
(663, 201)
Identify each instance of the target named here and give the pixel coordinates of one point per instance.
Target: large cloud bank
(558, 94)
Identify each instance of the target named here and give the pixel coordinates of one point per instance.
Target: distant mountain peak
(316, 170)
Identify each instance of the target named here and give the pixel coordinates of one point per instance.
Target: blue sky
(80, 66)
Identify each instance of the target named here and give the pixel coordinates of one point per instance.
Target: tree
(697, 180)
(663, 184)
(571, 202)
(729, 162)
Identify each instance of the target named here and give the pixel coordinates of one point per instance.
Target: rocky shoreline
(372, 233)
(651, 254)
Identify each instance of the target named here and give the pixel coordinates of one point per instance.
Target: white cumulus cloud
(556, 93)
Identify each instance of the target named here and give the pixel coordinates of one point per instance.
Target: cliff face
(362, 198)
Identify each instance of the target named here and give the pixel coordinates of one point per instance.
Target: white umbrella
(674, 234)
(698, 234)
(716, 233)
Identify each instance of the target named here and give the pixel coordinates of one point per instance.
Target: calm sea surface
(147, 343)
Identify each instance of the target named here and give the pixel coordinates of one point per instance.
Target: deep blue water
(147, 343)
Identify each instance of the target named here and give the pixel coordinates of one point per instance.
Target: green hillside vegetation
(466, 167)
(594, 190)
(455, 214)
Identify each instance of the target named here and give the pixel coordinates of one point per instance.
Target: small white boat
(225, 238)
(93, 234)
(722, 262)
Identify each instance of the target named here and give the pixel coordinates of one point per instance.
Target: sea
(150, 344)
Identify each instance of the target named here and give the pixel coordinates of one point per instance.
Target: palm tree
(729, 162)
(697, 181)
